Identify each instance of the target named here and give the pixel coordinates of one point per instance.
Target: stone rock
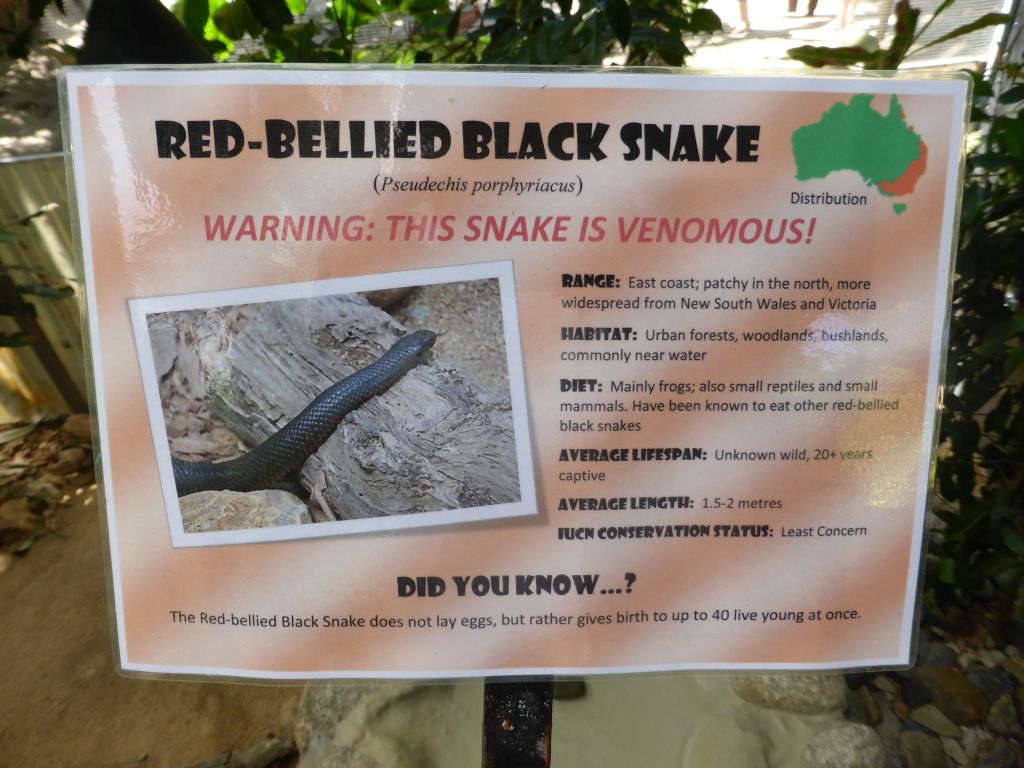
(931, 717)
(802, 693)
(78, 428)
(953, 694)
(704, 746)
(1002, 717)
(861, 706)
(991, 658)
(993, 683)
(901, 708)
(889, 725)
(851, 745)
(886, 685)
(955, 752)
(321, 708)
(232, 511)
(996, 753)
(43, 489)
(17, 520)
(973, 740)
(69, 460)
(889, 730)
(915, 694)
(919, 750)
(389, 725)
(933, 653)
(1014, 665)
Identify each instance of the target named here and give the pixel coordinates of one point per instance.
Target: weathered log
(437, 440)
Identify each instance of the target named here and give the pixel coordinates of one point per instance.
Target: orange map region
(905, 184)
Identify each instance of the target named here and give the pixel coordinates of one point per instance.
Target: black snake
(284, 452)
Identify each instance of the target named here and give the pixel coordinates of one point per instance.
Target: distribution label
(446, 373)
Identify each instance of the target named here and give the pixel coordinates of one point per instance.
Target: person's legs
(744, 17)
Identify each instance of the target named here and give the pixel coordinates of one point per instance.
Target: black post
(517, 723)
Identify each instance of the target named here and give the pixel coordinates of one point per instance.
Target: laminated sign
(420, 373)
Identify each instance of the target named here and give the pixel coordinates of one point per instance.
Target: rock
(973, 740)
(704, 747)
(854, 710)
(1014, 665)
(857, 705)
(932, 653)
(931, 717)
(1002, 718)
(886, 684)
(915, 694)
(321, 708)
(901, 708)
(345, 757)
(889, 730)
(993, 683)
(69, 460)
(389, 725)
(919, 750)
(231, 511)
(17, 520)
(991, 658)
(953, 694)
(996, 753)
(889, 725)
(955, 752)
(802, 693)
(43, 489)
(78, 428)
(851, 745)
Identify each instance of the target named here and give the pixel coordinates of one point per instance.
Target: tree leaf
(987, 20)
(705, 20)
(1012, 95)
(194, 15)
(273, 14)
(617, 12)
(236, 20)
(1012, 540)
(14, 339)
(47, 291)
(16, 433)
(453, 23)
(906, 24)
(12, 235)
(823, 56)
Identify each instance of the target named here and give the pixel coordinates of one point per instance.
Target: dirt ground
(63, 704)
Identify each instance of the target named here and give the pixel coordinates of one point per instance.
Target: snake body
(284, 452)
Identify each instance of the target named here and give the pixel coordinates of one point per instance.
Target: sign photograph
(443, 373)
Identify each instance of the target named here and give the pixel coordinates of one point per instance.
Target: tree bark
(437, 440)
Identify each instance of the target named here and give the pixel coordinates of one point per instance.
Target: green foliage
(980, 472)
(905, 37)
(18, 19)
(423, 31)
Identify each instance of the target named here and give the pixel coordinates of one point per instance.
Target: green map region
(883, 149)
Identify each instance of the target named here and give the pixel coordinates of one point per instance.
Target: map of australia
(882, 148)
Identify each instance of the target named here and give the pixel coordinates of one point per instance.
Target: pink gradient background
(146, 239)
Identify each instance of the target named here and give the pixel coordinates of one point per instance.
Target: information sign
(420, 374)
